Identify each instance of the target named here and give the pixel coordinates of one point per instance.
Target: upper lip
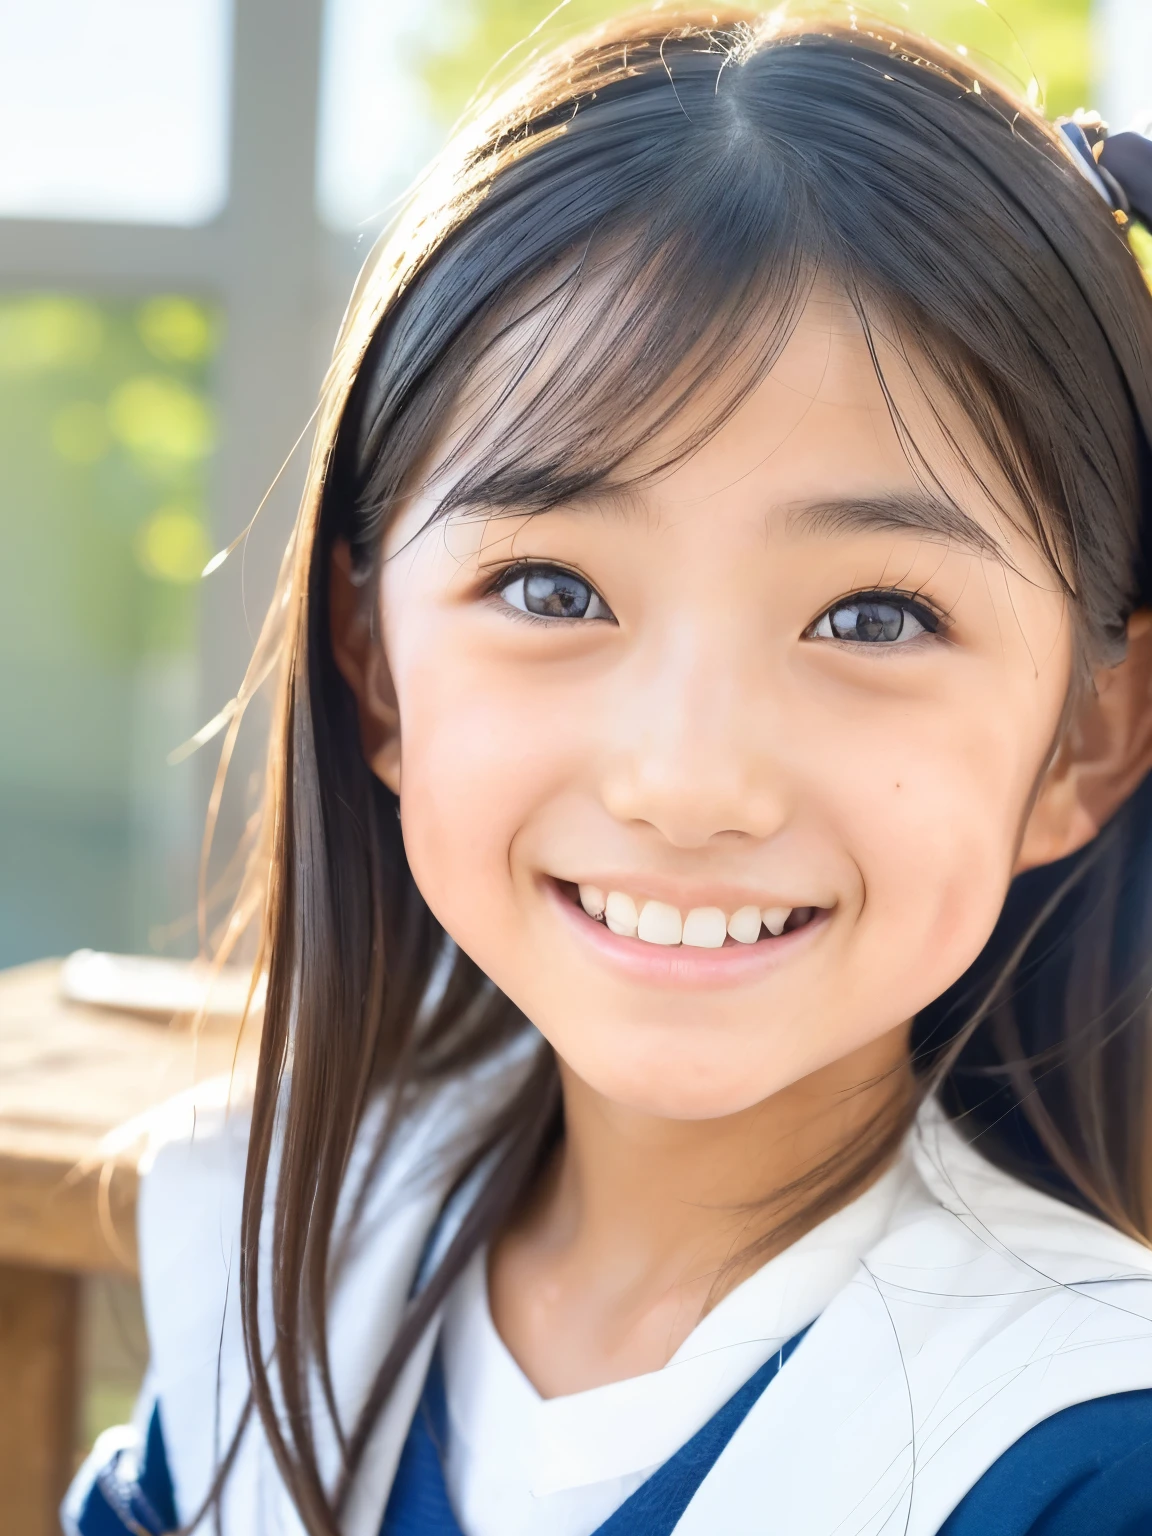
(685, 895)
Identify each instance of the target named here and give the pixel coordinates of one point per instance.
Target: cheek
(935, 839)
(477, 763)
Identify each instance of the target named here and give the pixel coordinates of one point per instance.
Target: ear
(358, 651)
(1105, 752)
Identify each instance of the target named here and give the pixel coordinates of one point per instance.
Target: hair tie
(1119, 165)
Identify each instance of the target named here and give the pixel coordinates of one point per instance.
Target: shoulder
(124, 1487)
(983, 1311)
(1005, 1215)
(194, 1161)
(1025, 1328)
(195, 1146)
(189, 1236)
(1087, 1468)
(977, 1233)
(188, 1220)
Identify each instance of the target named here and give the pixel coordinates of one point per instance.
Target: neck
(642, 1223)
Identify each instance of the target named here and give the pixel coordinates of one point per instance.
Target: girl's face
(784, 683)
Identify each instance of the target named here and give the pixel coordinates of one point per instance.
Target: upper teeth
(658, 923)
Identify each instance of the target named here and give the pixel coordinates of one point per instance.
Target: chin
(676, 1095)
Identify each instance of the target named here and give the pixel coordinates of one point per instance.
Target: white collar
(631, 1426)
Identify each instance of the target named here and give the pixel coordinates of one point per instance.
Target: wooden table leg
(39, 1312)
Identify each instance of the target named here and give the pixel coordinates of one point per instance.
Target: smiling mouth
(658, 923)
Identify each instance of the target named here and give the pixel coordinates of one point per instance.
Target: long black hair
(642, 216)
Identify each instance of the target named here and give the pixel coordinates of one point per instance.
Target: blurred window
(107, 430)
(394, 76)
(376, 125)
(1124, 39)
(127, 121)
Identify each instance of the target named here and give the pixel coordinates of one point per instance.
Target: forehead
(848, 410)
(820, 410)
(846, 413)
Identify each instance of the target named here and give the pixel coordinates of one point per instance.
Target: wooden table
(69, 1076)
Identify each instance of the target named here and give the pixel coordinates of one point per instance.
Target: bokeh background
(187, 188)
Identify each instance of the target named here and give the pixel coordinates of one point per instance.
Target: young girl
(707, 905)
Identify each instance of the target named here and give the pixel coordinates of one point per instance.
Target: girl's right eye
(551, 592)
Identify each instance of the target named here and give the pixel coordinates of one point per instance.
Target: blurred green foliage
(106, 433)
(1046, 41)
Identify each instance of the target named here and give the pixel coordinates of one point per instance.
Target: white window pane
(376, 126)
(1124, 52)
(114, 109)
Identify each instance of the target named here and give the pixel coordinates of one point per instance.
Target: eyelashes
(543, 592)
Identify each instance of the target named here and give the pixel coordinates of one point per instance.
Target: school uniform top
(958, 1320)
(517, 1464)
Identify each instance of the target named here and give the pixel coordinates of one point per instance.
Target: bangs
(627, 356)
(582, 387)
(566, 380)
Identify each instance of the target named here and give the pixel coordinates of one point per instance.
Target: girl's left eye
(875, 618)
(550, 592)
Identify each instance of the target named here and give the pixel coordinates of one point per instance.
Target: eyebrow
(905, 512)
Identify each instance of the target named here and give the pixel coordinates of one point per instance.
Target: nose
(690, 745)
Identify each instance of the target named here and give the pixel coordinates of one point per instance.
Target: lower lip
(682, 966)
